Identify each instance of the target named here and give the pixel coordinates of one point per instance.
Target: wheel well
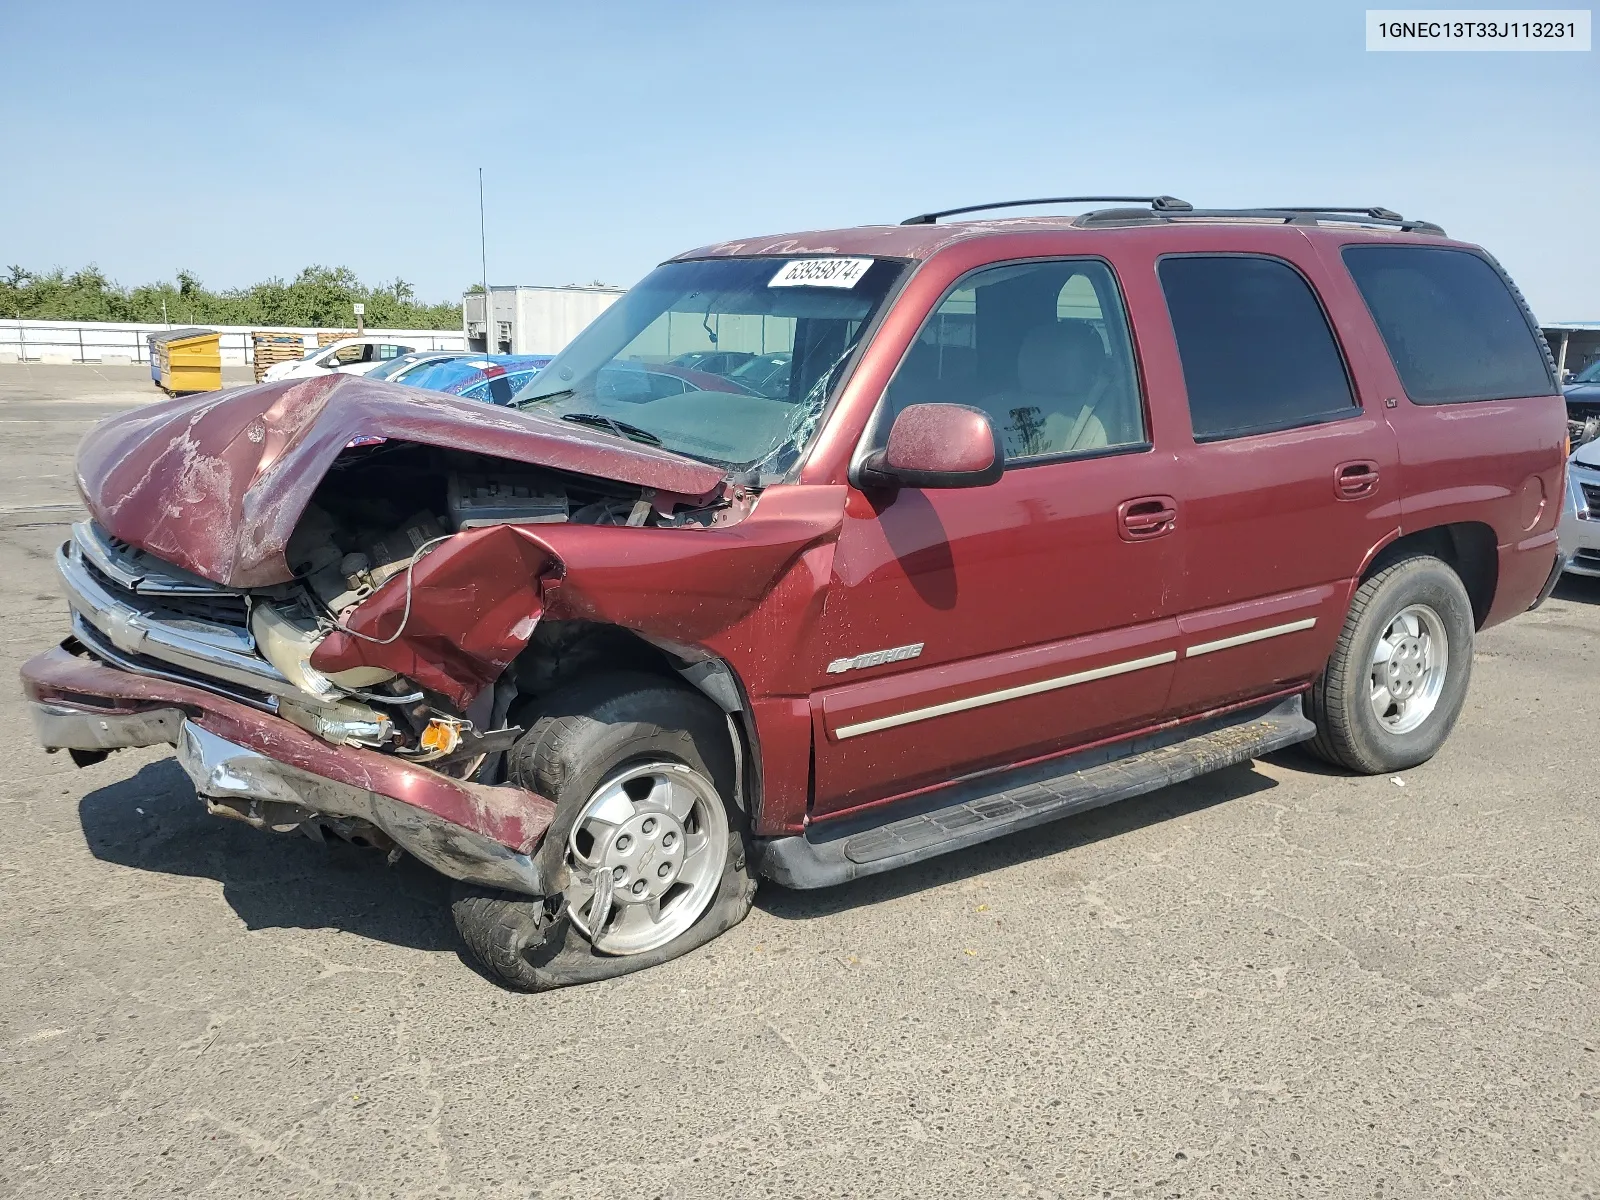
(561, 652)
(1468, 547)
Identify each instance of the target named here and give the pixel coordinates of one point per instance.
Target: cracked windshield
(730, 361)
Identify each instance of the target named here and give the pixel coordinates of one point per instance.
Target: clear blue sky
(245, 140)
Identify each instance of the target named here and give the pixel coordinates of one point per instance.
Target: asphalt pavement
(1276, 981)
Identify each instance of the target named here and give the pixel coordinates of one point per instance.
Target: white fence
(124, 341)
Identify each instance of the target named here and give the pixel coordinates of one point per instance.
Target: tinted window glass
(1041, 347)
(1257, 351)
(1453, 328)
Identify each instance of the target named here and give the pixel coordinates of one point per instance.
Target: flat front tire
(1398, 676)
(648, 841)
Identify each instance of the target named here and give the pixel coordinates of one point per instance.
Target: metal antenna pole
(483, 250)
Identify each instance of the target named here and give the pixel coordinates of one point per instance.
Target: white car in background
(1580, 519)
(351, 356)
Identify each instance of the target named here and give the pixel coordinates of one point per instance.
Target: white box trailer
(531, 320)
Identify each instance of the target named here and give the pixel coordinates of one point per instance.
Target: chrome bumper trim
(211, 651)
(226, 771)
(62, 727)
(94, 641)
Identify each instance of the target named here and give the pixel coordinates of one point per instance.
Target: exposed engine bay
(379, 511)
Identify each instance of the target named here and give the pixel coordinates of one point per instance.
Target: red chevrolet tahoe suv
(980, 524)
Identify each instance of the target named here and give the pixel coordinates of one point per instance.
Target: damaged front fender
(750, 591)
(455, 619)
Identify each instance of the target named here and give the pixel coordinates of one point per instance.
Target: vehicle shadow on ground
(275, 881)
(270, 880)
(1580, 589)
(1071, 833)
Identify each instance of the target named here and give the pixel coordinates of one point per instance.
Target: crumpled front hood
(216, 483)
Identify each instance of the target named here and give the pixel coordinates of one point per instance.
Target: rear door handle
(1146, 517)
(1355, 480)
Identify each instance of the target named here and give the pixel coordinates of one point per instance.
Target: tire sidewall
(612, 748)
(608, 727)
(1422, 581)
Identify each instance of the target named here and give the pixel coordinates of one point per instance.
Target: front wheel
(645, 856)
(1397, 679)
(648, 841)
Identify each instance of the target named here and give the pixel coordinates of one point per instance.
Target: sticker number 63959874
(821, 272)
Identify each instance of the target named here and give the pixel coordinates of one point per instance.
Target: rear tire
(600, 748)
(1397, 678)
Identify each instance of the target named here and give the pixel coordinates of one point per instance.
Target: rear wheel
(1398, 676)
(648, 842)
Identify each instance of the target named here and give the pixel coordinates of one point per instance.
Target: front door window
(1043, 348)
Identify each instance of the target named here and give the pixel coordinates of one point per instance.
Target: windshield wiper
(521, 403)
(621, 428)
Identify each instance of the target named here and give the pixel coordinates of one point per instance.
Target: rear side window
(1256, 348)
(1452, 326)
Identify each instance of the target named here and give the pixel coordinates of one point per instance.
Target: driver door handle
(1146, 517)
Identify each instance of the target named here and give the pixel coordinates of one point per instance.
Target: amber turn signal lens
(442, 734)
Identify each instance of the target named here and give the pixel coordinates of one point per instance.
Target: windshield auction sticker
(821, 272)
(1478, 29)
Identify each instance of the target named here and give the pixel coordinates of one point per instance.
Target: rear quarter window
(1455, 331)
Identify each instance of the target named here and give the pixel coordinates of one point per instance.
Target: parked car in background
(611, 655)
(351, 356)
(1580, 522)
(765, 374)
(1582, 395)
(396, 369)
(634, 382)
(712, 362)
(491, 378)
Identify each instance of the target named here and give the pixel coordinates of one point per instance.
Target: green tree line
(318, 296)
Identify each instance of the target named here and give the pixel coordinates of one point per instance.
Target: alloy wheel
(646, 855)
(1408, 668)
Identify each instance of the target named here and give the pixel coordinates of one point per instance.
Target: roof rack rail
(1288, 214)
(1159, 204)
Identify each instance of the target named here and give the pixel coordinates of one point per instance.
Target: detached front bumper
(468, 831)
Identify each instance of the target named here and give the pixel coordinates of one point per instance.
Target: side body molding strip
(1244, 639)
(1011, 693)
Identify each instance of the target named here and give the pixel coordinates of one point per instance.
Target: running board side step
(992, 806)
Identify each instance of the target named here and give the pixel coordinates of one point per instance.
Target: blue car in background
(492, 378)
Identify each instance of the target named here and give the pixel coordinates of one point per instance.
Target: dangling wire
(405, 615)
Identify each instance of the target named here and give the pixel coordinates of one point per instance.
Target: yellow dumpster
(186, 360)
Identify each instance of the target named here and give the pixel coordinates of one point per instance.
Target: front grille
(218, 608)
(1587, 558)
(141, 664)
